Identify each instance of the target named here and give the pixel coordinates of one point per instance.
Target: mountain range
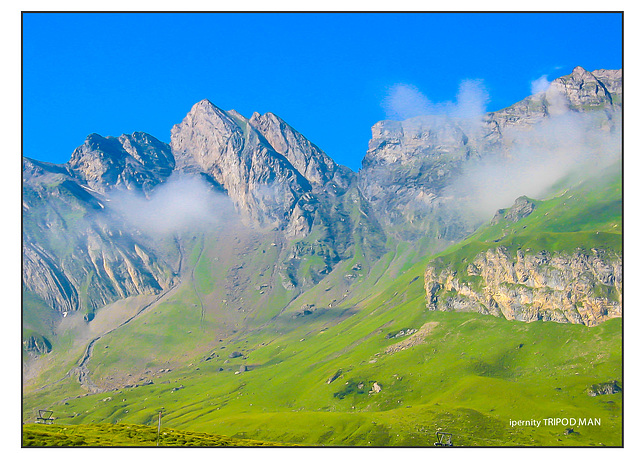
(251, 232)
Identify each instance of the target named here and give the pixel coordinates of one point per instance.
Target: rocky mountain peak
(207, 108)
(149, 151)
(410, 163)
(137, 161)
(313, 163)
(580, 71)
(203, 137)
(256, 116)
(581, 90)
(261, 182)
(399, 141)
(32, 169)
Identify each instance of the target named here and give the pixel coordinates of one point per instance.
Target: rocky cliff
(131, 162)
(278, 181)
(77, 255)
(580, 287)
(264, 186)
(81, 253)
(312, 163)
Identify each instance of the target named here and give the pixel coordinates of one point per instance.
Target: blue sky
(331, 76)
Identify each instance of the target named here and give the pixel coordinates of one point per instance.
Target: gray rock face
(580, 91)
(312, 163)
(408, 168)
(409, 163)
(522, 208)
(36, 345)
(612, 81)
(46, 172)
(42, 276)
(262, 183)
(275, 177)
(92, 268)
(583, 89)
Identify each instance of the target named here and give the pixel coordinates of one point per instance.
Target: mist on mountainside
(535, 161)
(184, 203)
(527, 161)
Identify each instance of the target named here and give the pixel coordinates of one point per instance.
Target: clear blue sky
(327, 75)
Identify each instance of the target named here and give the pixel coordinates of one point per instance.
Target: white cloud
(182, 203)
(535, 161)
(471, 101)
(406, 101)
(540, 84)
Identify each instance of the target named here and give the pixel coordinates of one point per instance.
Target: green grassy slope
(575, 218)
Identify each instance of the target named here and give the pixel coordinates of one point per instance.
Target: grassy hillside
(586, 214)
(470, 375)
(583, 216)
(371, 365)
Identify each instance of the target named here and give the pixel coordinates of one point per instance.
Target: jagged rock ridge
(78, 254)
(263, 185)
(136, 162)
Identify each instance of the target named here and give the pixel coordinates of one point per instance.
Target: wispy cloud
(405, 101)
(535, 161)
(540, 84)
(471, 100)
(183, 203)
